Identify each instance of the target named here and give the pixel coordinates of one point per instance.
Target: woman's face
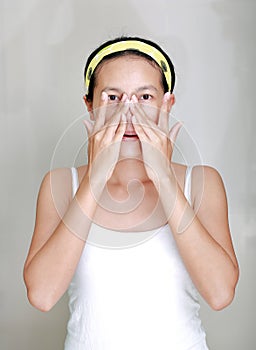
(130, 75)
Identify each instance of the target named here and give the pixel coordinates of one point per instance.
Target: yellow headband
(151, 51)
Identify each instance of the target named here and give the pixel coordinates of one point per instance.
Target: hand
(104, 141)
(156, 139)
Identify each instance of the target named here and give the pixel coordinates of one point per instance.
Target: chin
(130, 149)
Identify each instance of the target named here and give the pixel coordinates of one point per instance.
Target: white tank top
(135, 298)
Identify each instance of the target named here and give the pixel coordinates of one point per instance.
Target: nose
(129, 126)
(129, 116)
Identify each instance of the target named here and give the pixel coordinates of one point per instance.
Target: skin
(131, 87)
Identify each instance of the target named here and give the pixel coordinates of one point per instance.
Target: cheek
(152, 112)
(106, 112)
(110, 110)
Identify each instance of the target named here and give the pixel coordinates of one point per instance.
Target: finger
(174, 132)
(139, 129)
(120, 129)
(123, 108)
(138, 110)
(88, 126)
(149, 126)
(101, 112)
(112, 125)
(141, 116)
(163, 121)
(112, 128)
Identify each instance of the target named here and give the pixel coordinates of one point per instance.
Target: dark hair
(89, 95)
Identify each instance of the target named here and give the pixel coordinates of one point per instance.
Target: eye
(146, 97)
(113, 98)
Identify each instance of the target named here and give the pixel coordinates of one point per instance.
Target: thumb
(89, 126)
(173, 133)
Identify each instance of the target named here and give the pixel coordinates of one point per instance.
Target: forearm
(48, 273)
(211, 267)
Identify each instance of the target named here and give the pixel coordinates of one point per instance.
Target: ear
(171, 102)
(173, 99)
(89, 107)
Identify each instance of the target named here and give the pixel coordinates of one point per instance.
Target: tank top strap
(75, 181)
(187, 185)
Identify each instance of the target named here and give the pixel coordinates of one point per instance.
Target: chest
(135, 208)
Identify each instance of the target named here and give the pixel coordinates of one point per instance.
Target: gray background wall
(43, 47)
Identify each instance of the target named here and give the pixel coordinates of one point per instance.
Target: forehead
(131, 67)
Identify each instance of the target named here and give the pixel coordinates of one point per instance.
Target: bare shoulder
(209, 172)
(57, 173)
(54, 198)
(207, 187)
(54, 195)
(56, 182)
(206, 180)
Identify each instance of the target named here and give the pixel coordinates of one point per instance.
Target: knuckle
(97, 137)
(158, 141)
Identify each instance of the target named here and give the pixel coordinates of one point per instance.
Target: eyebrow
(141, 88)
(147, 87)
(109, 88)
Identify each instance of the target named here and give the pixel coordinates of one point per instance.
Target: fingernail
(104, 96)
(167, 96)
(134, 98)
(125, 99)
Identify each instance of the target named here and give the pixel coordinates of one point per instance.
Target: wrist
(168, 191)
(168, 186)
(91, 186)
(165, 181)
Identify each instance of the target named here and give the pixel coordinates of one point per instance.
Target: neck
(128, 169)
(130, 165)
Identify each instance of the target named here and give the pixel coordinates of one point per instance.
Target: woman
(143, 295)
